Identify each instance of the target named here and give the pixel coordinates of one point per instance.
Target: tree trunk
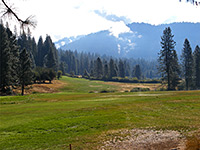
(22, 90)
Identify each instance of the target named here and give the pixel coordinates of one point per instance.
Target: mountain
(143, 40)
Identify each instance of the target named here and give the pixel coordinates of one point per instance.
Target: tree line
(104, 67)
(24, 61)
(21, 63)
(184, 74)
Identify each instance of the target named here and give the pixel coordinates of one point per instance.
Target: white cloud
(63, 18)
(118, 28)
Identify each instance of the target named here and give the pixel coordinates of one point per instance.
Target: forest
(25, 61)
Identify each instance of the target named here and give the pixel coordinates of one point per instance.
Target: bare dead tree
(9, 11)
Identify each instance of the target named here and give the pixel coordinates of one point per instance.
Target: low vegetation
(87, 120)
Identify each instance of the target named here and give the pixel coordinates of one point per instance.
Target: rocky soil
(145, 139)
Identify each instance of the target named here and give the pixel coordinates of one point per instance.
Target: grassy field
(82, 116)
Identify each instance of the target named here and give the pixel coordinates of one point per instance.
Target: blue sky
(65, 18)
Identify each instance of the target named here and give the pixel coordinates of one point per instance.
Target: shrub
(139, 89)
(106, 91)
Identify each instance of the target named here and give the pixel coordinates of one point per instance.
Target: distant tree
(137, 72)
(99, 68)
(86, 74)
(25, 70)
(51, 58)
(175, 76)
(63, 67)
(34, 50)
(112, 69)
(41, 52)
(106, 71)
(187, 64)
(59, 74)
(197, 67)
(42, 74)
(166, 57)
(72, 73)
(5, 61)
(121, 69)
(51, 74)
(25, 42)
(127, 69)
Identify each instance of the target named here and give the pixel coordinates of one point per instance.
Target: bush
(139, 89)
(59, 74)
(43, 74)
(106, 91)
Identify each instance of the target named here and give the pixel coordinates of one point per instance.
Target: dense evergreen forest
(24, 61)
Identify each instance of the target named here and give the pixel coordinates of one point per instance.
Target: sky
(66, 18)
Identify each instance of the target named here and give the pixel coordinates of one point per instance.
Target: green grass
(84, 85)
(75, 116)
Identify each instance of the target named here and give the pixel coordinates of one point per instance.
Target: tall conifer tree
(187, 64)
(99, 68)
(166, 58)
(5, 61)
(51, 57)
(25, 70)
(106, 71)
(137, 72)
(40, 53)
(112, 69)
(175, 76)
(197, 67)
(121, 69)
(14, 56)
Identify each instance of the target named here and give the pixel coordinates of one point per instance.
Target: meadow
(84, 115)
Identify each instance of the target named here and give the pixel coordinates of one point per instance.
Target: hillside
(89, 120)
(143, 40)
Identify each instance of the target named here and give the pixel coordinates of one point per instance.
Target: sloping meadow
(89, 120)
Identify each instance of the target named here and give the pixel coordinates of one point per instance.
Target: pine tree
(25, 70)
(127, 69)
(175, 76)
(34, 49)
(40, 53)
(137, 72)
(51, 57)
(63, 67)
(5, 61)
(86, 74)
(121, 69)
(106, 71)
(197, 67)
(112, 69)
(14, 50)
(166, 56)
(99, 69)
(187, 64)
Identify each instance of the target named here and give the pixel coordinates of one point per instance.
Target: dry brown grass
(43, 87)
(129, 86)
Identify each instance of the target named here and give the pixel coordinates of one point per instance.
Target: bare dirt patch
(145, 139)
(129, 86)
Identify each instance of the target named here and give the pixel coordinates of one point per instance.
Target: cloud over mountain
(140, 40)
